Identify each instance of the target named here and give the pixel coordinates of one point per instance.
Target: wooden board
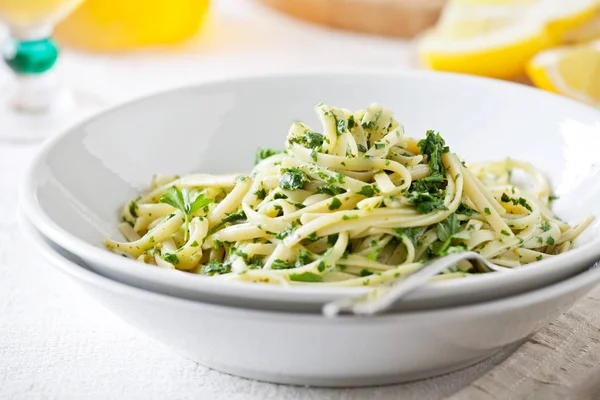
(400, 18)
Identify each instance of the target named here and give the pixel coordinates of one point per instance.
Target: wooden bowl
(400, 18)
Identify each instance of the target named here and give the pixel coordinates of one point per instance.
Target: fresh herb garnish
(410, 233)
(463, 209)
(170, 257)
(434, 146)
(447, 231)
(330, 189)
(550, 240)
(260, 194)
(263, 153)
(229, 217)
(517, 202)
(312, 140)
(365, 272)
(367, 191)
(306, 277)
(546, 226)
(292, 179)
(186, 202)
(216, 267)
(335, 204)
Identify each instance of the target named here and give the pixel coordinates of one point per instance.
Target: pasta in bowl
(357, 203)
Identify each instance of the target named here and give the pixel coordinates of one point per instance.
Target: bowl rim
(585, 254)
(510, 303)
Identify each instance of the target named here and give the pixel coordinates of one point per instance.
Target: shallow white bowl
(80, 179)
(307, 349)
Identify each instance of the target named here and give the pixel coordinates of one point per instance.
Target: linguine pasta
(359, 203)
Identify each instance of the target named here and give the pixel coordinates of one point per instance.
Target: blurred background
(67, 59)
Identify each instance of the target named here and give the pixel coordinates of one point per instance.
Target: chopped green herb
(263, 153)
(550, 240)
(133, 207)
(229, 217)
(520, 201)
(538, 258)
(361, 148)
(285, 233)
(313, 155)
(306, 277)
(347, 217)
(487, 211)
(313, 237)
(546, 226)
(185, 201)
(367, 191)
(447, 231)
(170, 257)
(505, 233)
(465, 210)
(195, 244)
(365, 272)
(216, 267)
(292, 179)
(260, 194)
(552, 198)
(281, 264)
(379, 146)
(330, 189)
(335, 204)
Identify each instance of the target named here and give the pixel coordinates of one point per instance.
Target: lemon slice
(497, 38)
(497, 46)
(585, 32)
(571, 71)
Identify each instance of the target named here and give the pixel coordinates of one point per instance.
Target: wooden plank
(400, 18)
(562, 361)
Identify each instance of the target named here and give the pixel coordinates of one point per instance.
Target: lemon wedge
(571, 71)
(584, 32)
(497, 38)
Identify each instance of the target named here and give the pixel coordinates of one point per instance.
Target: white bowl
(80, 179)
(308, 349)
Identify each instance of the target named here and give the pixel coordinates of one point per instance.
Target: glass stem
(32, 61)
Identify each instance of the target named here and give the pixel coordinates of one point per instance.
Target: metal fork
(381, 298)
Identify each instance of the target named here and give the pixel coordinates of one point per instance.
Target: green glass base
(31, 57)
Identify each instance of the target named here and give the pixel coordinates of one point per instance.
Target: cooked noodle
(358, 204)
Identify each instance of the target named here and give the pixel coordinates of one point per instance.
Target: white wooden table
(56, 343)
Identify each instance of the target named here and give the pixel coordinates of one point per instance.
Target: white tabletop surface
(55, 342)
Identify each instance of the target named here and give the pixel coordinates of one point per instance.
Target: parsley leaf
(186, 202)
(263, 153)
(229, 217)
(367, 191)
(260, 194)
(335, 204)
(312, 140)
(170, 257)
(216, 267)
(292, 178)
(447, 231)
(306, 277)
(330, 189)
(434, 146)
(517, 202)
(466, 210)
(410, 233)
(426, 202)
